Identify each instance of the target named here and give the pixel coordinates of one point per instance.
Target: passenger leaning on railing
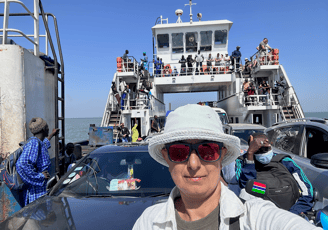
(218, 62)
(183, 65)
(199, 62)
(158, 64)
(236, 55)
(263, 50)
(190, 62)
(209, 63)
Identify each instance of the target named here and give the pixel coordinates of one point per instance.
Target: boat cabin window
(206, 40)
(220, 37)
(163, 40)
(191, 41)
(177, 43)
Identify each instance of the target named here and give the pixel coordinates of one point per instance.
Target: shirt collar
(230, 206)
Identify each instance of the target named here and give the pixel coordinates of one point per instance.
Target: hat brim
(232, 143)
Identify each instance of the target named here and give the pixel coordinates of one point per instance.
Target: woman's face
(196, 178)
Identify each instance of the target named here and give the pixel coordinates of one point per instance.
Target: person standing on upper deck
(236, 55)
(145, 61)
(34, 163)
(199, 62)
(263, 48)
(183, 65)
(209, 63)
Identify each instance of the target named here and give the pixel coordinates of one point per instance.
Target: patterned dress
(34, 160)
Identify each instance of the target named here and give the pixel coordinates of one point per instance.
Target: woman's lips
(195, 179)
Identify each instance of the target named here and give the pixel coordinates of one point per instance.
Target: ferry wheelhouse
(171, 41)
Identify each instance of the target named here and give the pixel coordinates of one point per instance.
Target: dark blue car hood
(85, 213)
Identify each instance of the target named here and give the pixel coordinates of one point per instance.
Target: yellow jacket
(135, 133)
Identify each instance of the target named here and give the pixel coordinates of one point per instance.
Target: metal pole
(36, 28)
(5, 22)
(47, 51)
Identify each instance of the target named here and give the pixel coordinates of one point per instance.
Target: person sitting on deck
(175, 72)
(33, 165)
(279, 172)
(69, 155)
(124, 133)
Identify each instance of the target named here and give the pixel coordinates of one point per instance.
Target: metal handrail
(21, 3)
(35, 17)
(20, 32)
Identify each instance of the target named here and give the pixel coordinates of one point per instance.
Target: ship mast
(190, 4)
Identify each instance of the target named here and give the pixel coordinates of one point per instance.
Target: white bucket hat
(194, 122)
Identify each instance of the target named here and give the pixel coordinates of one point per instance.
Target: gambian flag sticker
(259, 188)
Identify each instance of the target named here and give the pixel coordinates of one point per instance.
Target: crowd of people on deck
(261, 93)
(199, 65)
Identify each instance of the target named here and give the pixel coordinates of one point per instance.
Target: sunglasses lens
(179, 152)
(209, 151)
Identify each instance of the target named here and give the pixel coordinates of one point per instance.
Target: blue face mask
(264, 158)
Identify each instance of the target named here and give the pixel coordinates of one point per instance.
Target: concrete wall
(27, 90)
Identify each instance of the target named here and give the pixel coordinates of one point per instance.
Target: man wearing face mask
(288, 186)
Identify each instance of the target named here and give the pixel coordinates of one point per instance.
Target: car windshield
(127, 173)
(223, 118)
(244, 134)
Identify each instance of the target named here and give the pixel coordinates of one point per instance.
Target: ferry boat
(33, 84)
(170, 42)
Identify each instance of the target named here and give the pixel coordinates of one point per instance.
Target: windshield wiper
(107, 195)
(160, 194)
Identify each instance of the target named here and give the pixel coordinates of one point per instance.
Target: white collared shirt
(255, 214)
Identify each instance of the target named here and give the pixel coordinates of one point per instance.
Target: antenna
(190, 4)
(178, 13)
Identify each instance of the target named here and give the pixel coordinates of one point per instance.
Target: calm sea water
(77, 128)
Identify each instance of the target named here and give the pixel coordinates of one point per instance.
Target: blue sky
(94, 33)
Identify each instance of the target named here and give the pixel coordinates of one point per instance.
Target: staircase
(288, 112)
(114, 121)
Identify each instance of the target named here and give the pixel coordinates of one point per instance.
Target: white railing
(34, 15)
(128, 65)
(143, 101)
(265, 58)
(169, 71)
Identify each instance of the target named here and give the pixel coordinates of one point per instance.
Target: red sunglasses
(208, 151)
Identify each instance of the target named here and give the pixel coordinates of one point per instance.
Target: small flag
(259, 188)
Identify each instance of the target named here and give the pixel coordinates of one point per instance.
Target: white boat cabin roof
(172, 40)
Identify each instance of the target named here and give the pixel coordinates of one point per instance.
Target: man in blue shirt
(255, 163)
(34, 163)
(235, 57)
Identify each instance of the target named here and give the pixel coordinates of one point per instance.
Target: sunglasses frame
(193, 147)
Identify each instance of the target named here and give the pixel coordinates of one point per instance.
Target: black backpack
(281, 185)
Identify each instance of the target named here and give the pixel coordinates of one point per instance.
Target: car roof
(236, 126)
(318, 122)
(130, 147)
